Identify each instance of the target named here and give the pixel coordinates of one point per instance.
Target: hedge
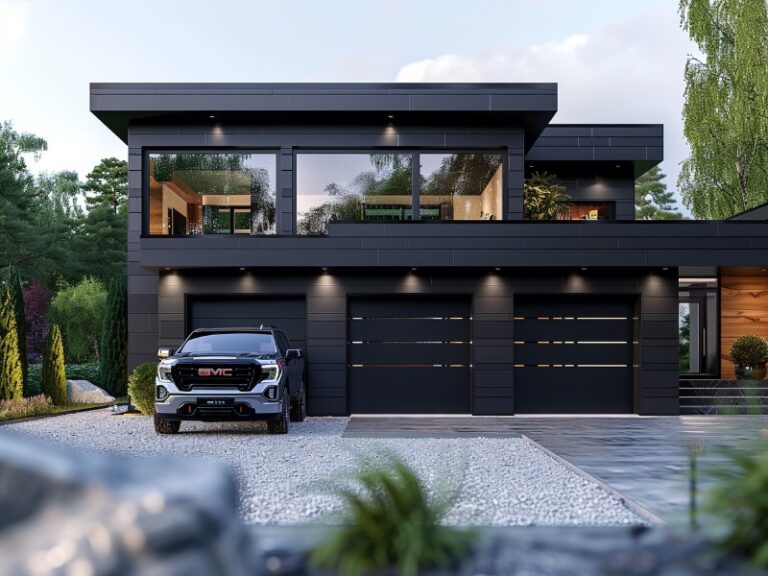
(90, 372)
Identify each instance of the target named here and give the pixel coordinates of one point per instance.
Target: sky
(615, 61)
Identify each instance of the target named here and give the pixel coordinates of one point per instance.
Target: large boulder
(83, 392)
(63, 512)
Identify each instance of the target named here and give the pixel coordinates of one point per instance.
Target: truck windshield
(230, 343)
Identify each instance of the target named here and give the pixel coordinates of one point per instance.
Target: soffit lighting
(391, 116)
(584, 269)
(242, 269)
(697, 280)
(212, 116)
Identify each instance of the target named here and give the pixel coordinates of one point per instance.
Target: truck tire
(167, 426)
(280, 425)
(299, 405)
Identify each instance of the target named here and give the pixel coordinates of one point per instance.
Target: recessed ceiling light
(665, 268)
(530, 165)
(414, 269)
(325, 269)
(167, 269)
(497, 269)
(391, 116)
(242, 269)
(212, 116)
(584, 268)
(618, 165)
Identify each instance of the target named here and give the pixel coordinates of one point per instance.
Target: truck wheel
(167, 426)
(280, 425)
(299, 405)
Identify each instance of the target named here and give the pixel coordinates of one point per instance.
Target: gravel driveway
(503, 481)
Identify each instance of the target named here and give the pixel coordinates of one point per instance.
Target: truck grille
(243, 377)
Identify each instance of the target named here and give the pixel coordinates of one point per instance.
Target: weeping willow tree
(726, 107)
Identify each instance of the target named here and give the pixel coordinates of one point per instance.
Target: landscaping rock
(83, 392)
(65, 512)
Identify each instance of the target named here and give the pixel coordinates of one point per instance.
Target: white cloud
(629, 72)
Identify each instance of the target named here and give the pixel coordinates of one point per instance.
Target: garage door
(573, 355)
(409, 355)
(287, 313)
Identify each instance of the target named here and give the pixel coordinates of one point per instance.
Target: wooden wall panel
(743, 310)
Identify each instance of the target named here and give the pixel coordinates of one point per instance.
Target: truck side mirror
(292, 354)
(163, 353)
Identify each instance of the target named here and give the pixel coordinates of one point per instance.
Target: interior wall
(743, 310)
(171, 200)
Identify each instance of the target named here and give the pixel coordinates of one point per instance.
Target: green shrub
(11, 375)
(25, 407)
(389, 521)
(79, 312)
(90, 372)
(739, 503)
(749, 350)
(141, 387)
(17, 298)
(114, 339)
(54, 378)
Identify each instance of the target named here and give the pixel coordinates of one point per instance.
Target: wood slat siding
(743, 310)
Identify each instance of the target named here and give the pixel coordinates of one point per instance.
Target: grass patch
(39, 405)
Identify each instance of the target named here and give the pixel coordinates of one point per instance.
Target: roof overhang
(528, 105)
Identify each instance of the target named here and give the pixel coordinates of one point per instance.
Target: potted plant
(750, 354)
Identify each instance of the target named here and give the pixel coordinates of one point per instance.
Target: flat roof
(530, 105)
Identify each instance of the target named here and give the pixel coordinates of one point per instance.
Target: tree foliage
(544, 198)
(114, 340)
(79, 312)
(726, 107)
(37, 298)
(54, 379)
(17, 300)
(11, 375)
(105, 227)
(652, 199)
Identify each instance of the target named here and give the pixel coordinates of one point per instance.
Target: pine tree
(17, 297)
(114, 336)
(54, 379)
(652, 200)
(11, 375)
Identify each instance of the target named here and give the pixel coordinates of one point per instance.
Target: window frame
(713, 354)
(147, 151)
(415, 180)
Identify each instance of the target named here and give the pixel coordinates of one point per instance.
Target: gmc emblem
(212, 372)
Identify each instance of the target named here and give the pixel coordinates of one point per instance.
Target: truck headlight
(164, 370)
(269, 372)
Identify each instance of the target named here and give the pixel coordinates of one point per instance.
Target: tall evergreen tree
(726, 98)
(54, 379)
(11, 375)
(17, 299)
(652, 199)
(114, 337)
(105, 231)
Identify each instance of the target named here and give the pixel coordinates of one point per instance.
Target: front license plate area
(215, 402)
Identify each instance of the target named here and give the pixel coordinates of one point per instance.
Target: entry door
(573, 355)
(409, 355)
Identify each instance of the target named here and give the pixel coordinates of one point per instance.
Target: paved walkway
(644, 458)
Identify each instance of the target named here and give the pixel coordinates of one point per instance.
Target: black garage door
(573, 355)
(287, 313)
(409, 355)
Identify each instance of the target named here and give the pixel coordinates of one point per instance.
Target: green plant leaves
(390, 520)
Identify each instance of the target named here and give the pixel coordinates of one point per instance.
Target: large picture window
(351, 187)
(462, 186)
(211, 193)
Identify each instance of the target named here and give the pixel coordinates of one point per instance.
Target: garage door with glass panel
(573, 355)
(409, 355)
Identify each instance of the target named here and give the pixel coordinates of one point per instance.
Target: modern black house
(382, 227)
